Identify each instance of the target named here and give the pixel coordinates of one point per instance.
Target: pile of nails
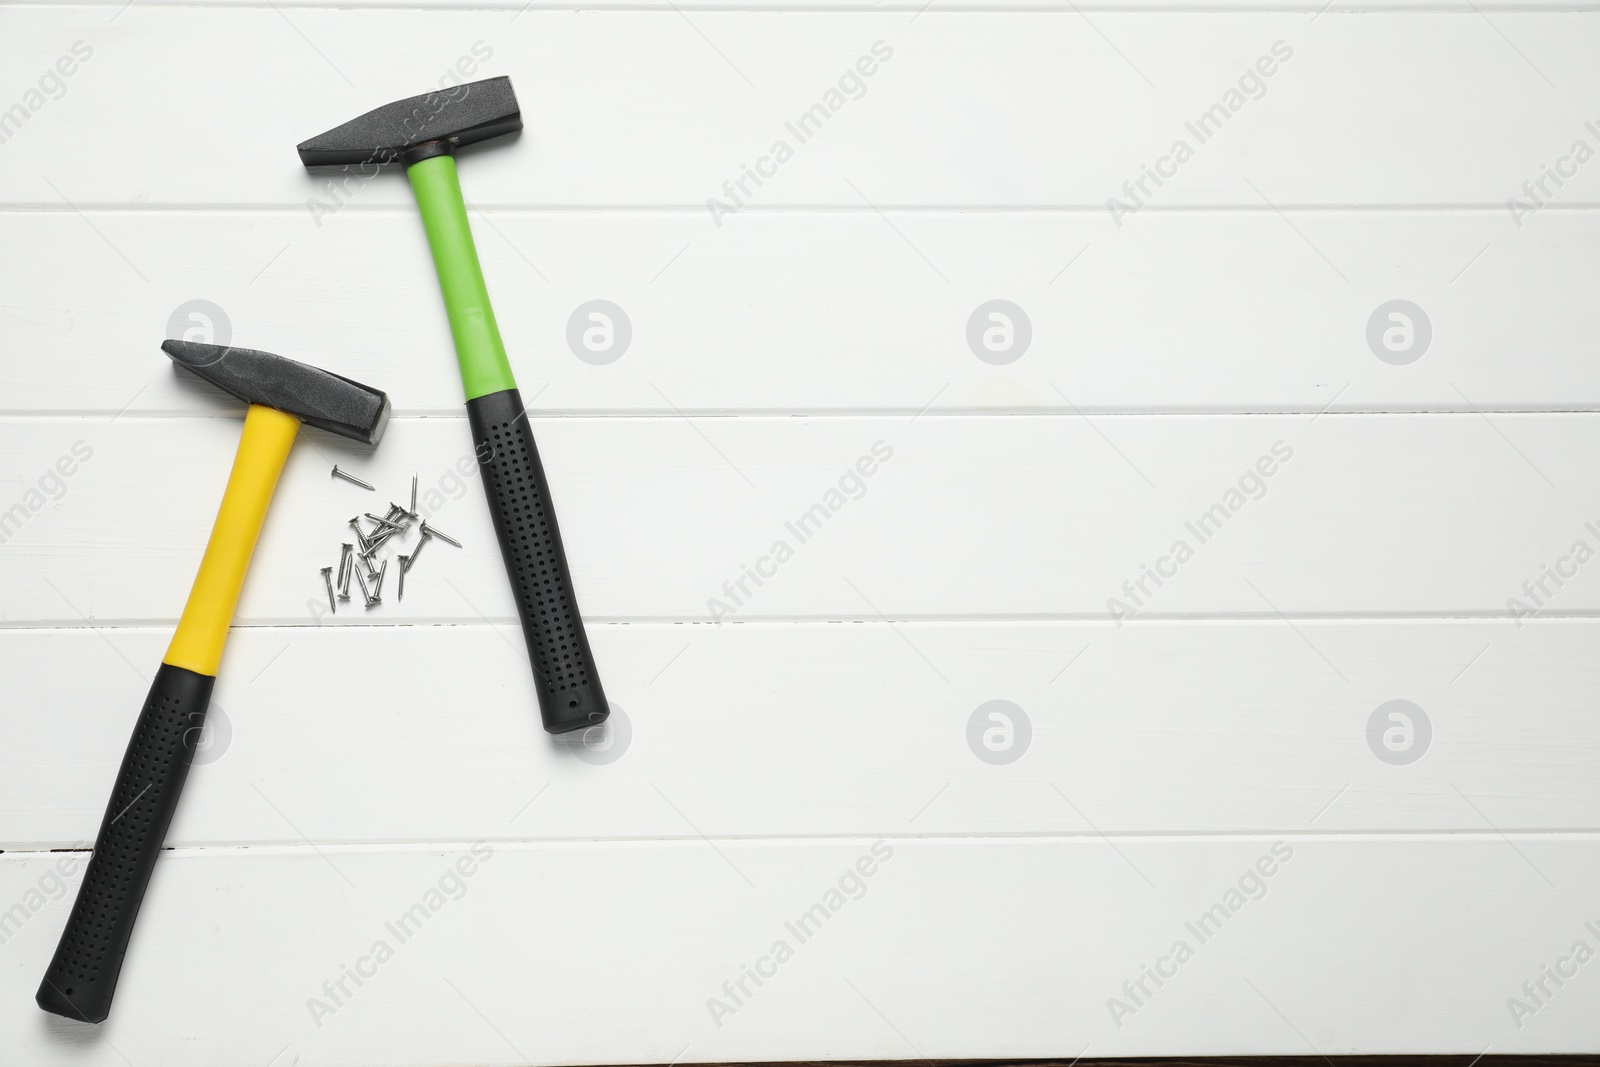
(359, 559)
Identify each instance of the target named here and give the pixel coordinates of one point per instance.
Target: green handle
(479, 350)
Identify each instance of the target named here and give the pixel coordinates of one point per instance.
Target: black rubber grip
(83, 975)
(570, 697)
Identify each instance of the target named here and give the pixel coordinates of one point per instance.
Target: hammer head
(442, 121)
(311, 395)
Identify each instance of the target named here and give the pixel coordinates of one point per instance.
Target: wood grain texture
(803, 312)
(909, 7)
(644, 108)
(544, 945)
(1015, 539)
(417, 734)
(1002, 517)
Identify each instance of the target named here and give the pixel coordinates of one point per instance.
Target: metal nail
(327, 580)
(377, 588)
(413, 494)
(430, 530)
(417, 551)
(400, 589)
(345, 552)
(337, 473)
(391, 525)
(344, 575)
(361, 538)
(365, 592)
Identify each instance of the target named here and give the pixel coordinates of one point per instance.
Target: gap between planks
(79, 207)
(1096, 620)
(537, 844)
(1043, 411)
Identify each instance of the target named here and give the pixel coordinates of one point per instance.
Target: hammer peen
(282, 394)
(423, 133)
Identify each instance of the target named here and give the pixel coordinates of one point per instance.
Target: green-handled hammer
(423, 133)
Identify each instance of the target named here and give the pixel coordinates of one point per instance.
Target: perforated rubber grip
(83, 975)
(570, 697)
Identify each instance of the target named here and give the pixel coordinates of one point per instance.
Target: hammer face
(455, 117)
(314, 396)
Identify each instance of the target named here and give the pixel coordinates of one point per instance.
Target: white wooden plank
(909, 7)
(815, 312)
(996, 517)
(646, 108)
(609, 953)
(419, 734)
(764, 756)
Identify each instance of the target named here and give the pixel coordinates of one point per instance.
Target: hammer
(423, 132)
(282, 394)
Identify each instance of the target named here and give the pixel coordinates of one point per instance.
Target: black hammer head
(311, 395)
(442, 121)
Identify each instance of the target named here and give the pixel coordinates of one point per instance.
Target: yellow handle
(268, 435)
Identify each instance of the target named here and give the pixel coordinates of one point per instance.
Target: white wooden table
(1205, 758)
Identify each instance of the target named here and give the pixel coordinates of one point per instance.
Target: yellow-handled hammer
(282, 394)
